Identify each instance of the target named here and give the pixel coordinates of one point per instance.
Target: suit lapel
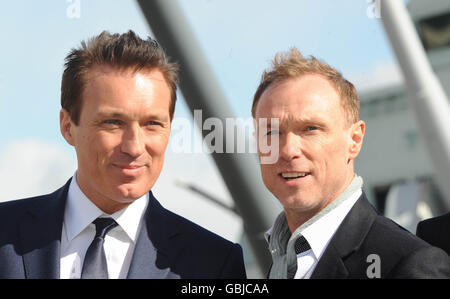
(331, 265)
(155, 251)
(346, 241)
(40, 235)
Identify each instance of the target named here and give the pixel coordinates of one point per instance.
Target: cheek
(268, 174)
(335, 161)
(85, 146)
(156, 145)
(327, 157)
(103, 148)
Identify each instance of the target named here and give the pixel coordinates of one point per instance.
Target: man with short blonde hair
(292, 64)
(328, 229)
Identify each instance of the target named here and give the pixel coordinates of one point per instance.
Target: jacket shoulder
(403, 254)
(435, 231)
(207, 250)
(13, 211)
(436, 222)
(13, 207)
(391, 231)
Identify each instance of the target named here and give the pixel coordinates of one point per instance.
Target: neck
(107, 205)
(296, 218)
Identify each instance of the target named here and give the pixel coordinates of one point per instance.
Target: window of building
(435, 31)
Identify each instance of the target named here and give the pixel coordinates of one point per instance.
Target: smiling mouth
(293, 175)
(129, 170)
(130, 166)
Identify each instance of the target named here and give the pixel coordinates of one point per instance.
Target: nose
(290, 147)
(132, 141)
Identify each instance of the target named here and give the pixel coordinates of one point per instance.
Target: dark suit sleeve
(234, 267)
(427, 262)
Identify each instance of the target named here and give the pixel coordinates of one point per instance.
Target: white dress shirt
(79, 231)
(319, 235)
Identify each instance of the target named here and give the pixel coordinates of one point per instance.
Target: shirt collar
(268, 233)
(80, 211)
(129, 218)
(320, 233)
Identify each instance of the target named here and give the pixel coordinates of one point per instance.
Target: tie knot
(301, 245)
(103, 226)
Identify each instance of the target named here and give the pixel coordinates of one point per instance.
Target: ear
(66, 125)
(356, 132)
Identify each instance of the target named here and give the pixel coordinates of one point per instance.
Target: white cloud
(33, 167)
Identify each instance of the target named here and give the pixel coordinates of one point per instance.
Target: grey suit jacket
(168, 245)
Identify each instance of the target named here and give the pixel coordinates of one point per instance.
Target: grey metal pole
(206, 195)
(240, 172)
(427, 97)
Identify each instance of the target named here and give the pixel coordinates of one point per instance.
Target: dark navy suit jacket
(168, 246)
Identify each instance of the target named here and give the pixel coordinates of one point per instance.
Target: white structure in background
(394, 161)
(409, 203)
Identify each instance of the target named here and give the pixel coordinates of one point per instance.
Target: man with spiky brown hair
(118, 98)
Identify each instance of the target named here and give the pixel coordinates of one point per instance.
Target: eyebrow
(118, 114)
(296, 120)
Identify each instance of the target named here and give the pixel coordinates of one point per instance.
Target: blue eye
(112, 122)
(311, 128)
(153, 123)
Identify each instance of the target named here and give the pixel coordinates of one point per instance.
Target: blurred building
(394, 162)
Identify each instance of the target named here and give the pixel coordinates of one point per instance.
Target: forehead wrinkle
(290, 119)
(117, 113)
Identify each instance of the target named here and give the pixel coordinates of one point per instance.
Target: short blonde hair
(292, 64)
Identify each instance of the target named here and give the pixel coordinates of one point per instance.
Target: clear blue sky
(238, 38)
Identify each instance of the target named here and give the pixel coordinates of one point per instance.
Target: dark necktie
(300, 245)
(94, 266)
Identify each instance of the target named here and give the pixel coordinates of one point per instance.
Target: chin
(298, 202)
(130, 192)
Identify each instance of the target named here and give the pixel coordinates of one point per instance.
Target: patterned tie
(94, 266)
(301, 245)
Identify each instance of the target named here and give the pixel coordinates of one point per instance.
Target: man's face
(121, 136)
(316, 144)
